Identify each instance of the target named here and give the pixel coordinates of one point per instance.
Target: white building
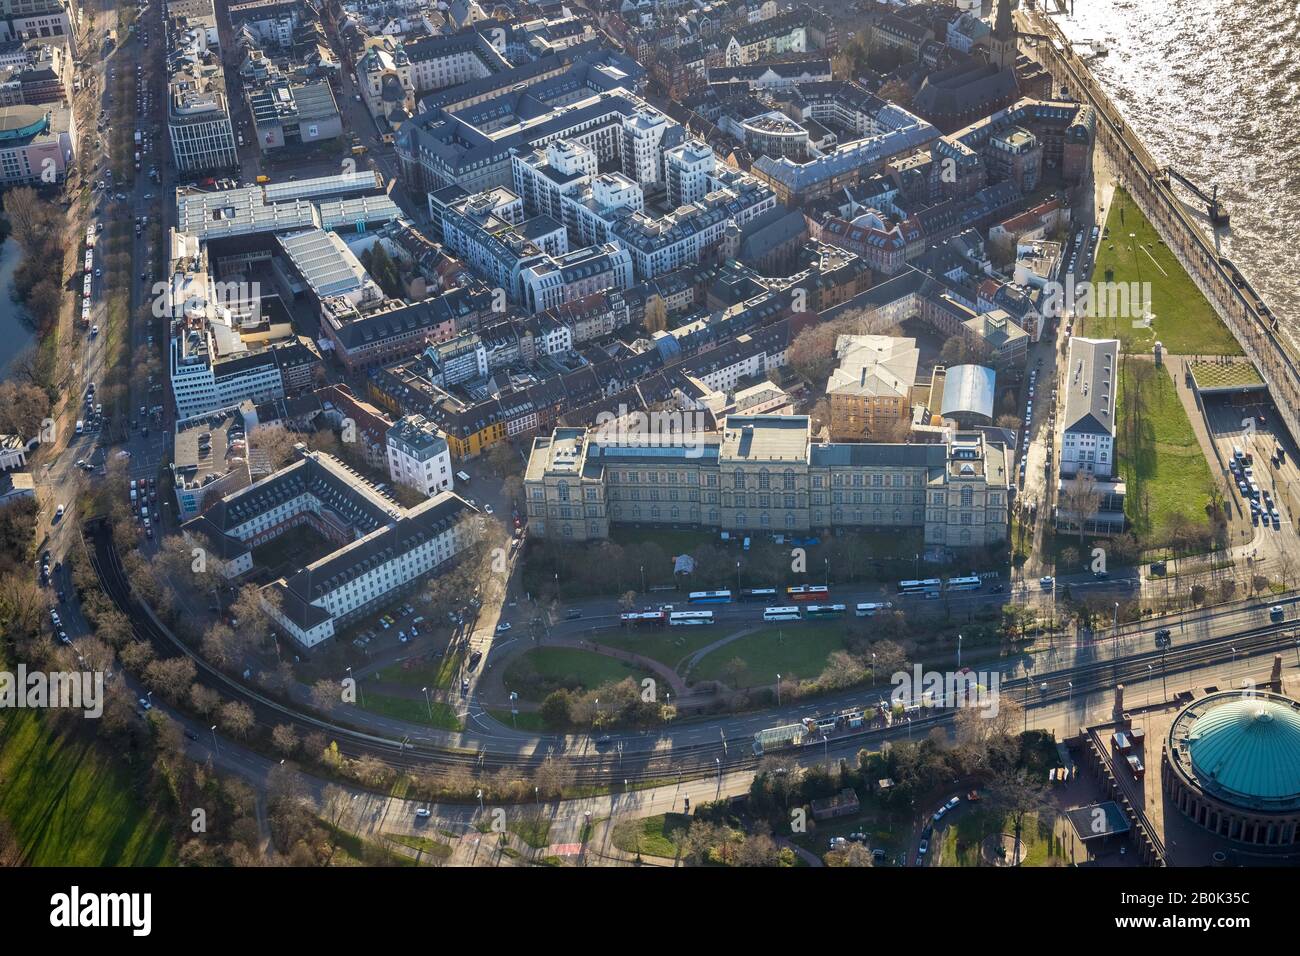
(689, 170)
(418, 456)
(1088, 425)
(383, 550)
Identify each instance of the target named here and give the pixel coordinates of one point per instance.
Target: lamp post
(778, 676)
(215, 748)
(428, 703)
(643, 588)
(737, 580)
(958, 652)
(514, 710)
(1150, 677)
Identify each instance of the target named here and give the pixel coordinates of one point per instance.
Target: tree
(236, 718)
(23, 407)
(285, 739)
(325, 694)
(852, 854)
(276, 442)
(1081, 500)
(1018, 794)
(205, 700)
(812, 353)
(555, 710)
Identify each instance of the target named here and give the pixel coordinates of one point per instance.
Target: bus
(684, 618)
(964, 584)
(824, 610)
(808, 592)
(782, 614)
(758, 594)
(869, 610)
(709, 597)
(928, 586)
(644, 618)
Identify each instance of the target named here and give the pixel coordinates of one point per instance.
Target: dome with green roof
(1248, 748)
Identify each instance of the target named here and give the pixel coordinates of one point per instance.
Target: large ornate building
(764, 474)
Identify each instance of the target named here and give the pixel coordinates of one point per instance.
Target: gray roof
(1091, 386)
(968, 389)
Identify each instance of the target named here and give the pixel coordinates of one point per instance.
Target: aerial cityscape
(649, 433)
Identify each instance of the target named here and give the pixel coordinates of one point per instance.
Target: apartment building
(418, 456)
(763, 474)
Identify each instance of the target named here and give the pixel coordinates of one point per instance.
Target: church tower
(1002, 43)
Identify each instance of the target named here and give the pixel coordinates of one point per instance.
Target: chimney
(1119, 702)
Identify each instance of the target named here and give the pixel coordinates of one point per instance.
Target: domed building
(1232, 765)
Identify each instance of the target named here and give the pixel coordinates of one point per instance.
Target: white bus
(869, 610)
(928, 586)
(965, 584)
(782, 614)
(683, 618)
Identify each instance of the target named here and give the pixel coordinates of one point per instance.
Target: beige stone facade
(762, 474)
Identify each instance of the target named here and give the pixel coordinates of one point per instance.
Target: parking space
(1254, 461)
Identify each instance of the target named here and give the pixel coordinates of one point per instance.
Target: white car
(488, 509)
(423, 813)
(503, 627)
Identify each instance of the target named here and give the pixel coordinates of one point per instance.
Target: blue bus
(709, 597)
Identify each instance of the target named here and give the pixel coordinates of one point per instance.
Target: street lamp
(1233, 665)
(428, 703)
(214, 739)
(738, 580)
(643, 589)
(778, 676)
(958, 652)
(1150, 678)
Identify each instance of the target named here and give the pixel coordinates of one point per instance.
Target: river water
(15, 334)
(1213, 88)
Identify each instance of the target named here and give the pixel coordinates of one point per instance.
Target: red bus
(644, 618)
(808, 592)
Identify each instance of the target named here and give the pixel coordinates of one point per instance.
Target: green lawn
(426, 845)
(660, 835)
(533, 829)
(973, 826)
(537, 672)
(69, 804)
(1159, 456)
(1184, 322)
(438, 673)
(528, 720)
(795, 650)
(668, 645)
(411, 709)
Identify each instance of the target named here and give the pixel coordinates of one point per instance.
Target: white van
(462, 477)
(81, 426)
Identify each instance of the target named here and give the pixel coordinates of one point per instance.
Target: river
(15, 334)
(1213, 88)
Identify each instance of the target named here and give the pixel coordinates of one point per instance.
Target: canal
(15, 332)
